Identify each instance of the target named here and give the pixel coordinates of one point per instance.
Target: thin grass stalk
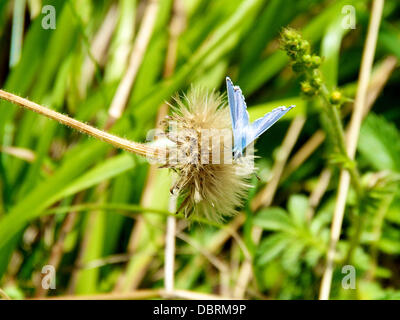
(266, 195)
(96, 54)
(176, 26)
(124, 89)
(355, 124)
(223, 268)
(318, 192)
(169, 268)
(217, 242)
(375, 87)
(4, 295)
(57, 250)
(121, 97)
(98, 49)
(20, 153)
(17, 32)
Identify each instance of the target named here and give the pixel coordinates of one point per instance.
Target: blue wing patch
(245, 133)
(239, 116)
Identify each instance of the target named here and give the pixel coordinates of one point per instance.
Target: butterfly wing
(239, 116)
(232, 101)
(259, 126)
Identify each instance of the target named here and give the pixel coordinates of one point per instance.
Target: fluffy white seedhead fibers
(210, 182)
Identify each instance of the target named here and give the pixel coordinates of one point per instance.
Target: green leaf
(108, 169)
(322, 218)
(88, 278)
(297, 207)
(312, 256)
(58, 187)
(389, 39)
(379, 143)
(275, 219)
(330, 50)
(291, 257)
(270, 66)
(271, 247)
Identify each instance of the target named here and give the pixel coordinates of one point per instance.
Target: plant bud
(336, 97)
(315, 62)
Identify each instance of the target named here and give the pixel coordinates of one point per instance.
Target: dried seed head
(210, 182)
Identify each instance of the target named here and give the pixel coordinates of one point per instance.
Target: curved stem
(116, 141)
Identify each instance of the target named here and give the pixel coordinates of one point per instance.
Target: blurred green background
(98, 214)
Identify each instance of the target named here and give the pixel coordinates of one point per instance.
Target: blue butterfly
(245, 132)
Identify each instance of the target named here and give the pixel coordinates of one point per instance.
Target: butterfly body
(245, 132)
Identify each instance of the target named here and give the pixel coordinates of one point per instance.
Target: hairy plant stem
(333, 114)
(355, 238)
(116, 141)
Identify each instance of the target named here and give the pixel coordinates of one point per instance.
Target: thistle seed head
(210, 182)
